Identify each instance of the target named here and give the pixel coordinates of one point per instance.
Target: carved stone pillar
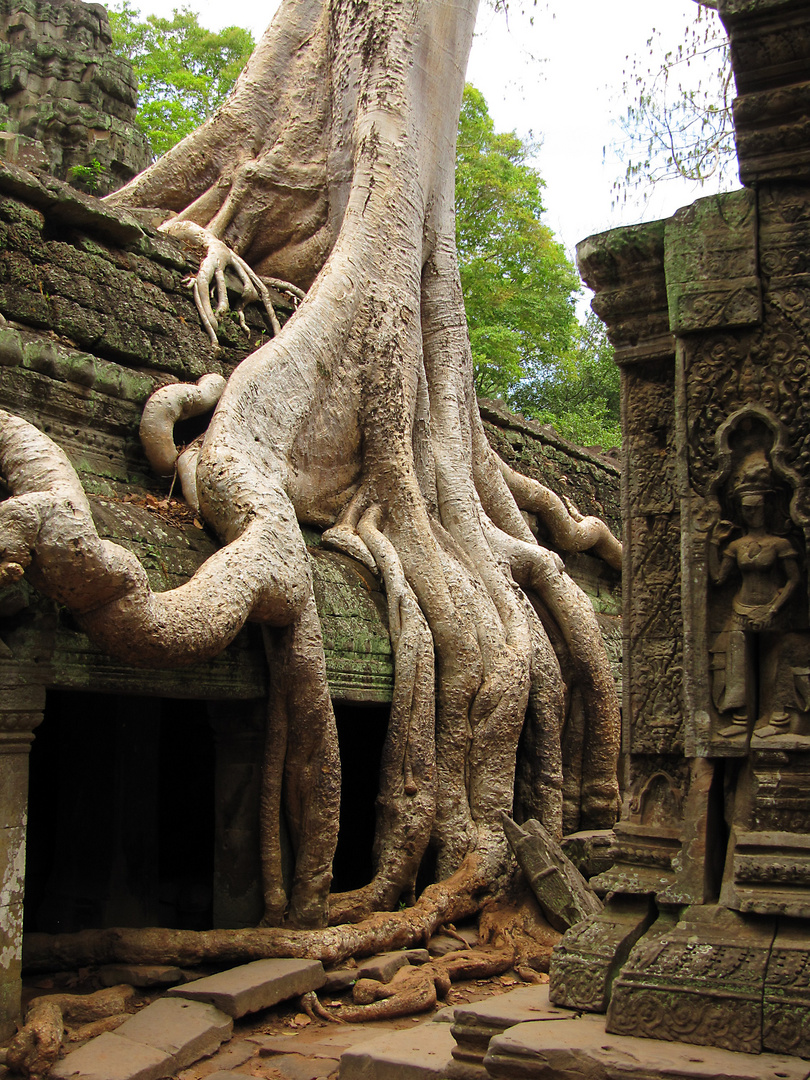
(715, 830)
(21, 710)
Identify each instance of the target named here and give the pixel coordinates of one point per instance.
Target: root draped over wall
(331, 167)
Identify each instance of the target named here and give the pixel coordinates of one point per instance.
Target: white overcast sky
(559, 80)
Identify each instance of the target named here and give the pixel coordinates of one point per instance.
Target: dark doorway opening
(121, 814)
(361, 735)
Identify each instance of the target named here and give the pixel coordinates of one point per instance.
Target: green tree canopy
(520, 291)
(519, 287)
(184, 71)
(580, 393)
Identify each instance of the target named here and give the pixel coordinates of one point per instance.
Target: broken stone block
(252, 987)
(384, 966)
(423, 1053)
(563, 894)
(140, 975)
(580, 1048)
(475, 1025)
(587, 959)
(339, 980)
(442, 944)
(187, 1030)
(113, 1057)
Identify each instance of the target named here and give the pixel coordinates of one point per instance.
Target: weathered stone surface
(113, 1057)
(786, 1003)
(339, 980)
(187, 1030)
(65, 98)
(475, 1025)
(139, 974)
(585, 962)
(251, 987)
(384, 966)
(580, 1049)
(711, 264)
(423, 1053)
(700, 980)
(592, 852)
(297, 1067)
(562, 892)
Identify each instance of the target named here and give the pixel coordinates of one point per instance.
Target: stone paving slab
(330, 1044)
(255, 986)
(187, 1030)
(421, 1053)
(296, 1067)
(338, 980)
(474, 1025)
(442, 944)
(113, 1057)
(581, 1049)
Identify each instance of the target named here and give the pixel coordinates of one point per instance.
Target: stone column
(21, 710)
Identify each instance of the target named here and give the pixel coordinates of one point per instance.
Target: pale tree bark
(331, 167)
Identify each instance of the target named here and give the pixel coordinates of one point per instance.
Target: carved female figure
(748, 652)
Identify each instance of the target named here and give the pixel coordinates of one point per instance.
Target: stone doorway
(121, 814)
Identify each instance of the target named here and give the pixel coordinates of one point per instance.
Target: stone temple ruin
(65, 99)
(161, 768)
(703, 938)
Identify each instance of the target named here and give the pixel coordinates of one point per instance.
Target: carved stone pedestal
(697, 977)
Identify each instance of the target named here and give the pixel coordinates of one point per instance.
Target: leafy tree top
(184, 71)
(519, 287)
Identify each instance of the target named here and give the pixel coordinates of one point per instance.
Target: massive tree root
(332, 167)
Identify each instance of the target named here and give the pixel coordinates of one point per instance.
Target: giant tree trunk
(332, 166)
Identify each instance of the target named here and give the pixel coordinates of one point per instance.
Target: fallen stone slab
(580, 1049)
(476, 1024)
(187, 1030)
(339, 980)
(384, 966)
(255, 986)
(422, 1053)
(113, 1057)
(296, 1067)
(442, 944)
(322, 1042)
(140, 975)
(562, 892)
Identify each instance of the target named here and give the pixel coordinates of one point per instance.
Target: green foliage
(678, 122)
(580, 394)
(88, 175)
(520, 291)
(519, 287)
(184, 71)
